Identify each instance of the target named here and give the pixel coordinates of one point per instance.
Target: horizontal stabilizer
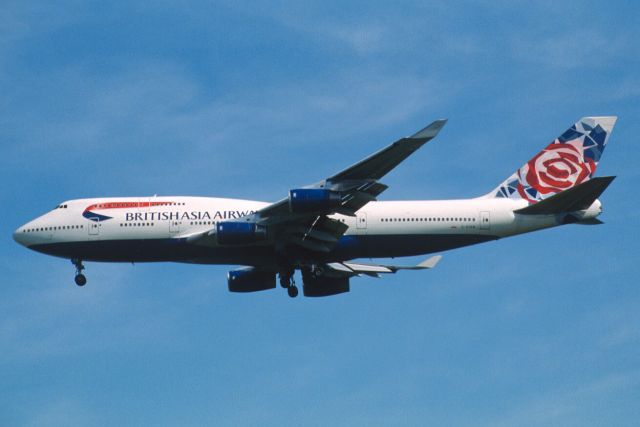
(574, 199)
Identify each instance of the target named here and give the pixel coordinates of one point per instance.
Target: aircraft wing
(343, 193)
(303, 218)
(355, 269)
(358, 183)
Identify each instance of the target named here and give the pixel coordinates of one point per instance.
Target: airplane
(323, 228)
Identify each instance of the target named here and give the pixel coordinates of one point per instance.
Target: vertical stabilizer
(569, 160)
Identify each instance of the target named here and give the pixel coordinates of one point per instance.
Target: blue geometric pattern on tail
(569, 160)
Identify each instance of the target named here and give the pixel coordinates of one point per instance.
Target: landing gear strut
(287, 281)
(79, 279)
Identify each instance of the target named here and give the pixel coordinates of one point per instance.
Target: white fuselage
(158, 228)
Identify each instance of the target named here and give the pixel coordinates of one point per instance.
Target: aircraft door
(174, 226)
(361, 222)
(93, 226)
(485, 220)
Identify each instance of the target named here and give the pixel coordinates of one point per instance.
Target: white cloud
(159, 108)
(583, 404)
(626, 89)
(54, 318)
(568, 48)
(363, 39)
(617, 325)
(61, 411)
(20, 21)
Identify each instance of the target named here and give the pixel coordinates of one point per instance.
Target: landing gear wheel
(286, 278)
(285, 282)
(292, 291)
(80, 280)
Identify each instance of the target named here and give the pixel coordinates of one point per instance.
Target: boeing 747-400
(320, 229)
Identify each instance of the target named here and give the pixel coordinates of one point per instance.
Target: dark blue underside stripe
(178, 250)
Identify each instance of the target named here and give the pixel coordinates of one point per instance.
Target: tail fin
(569, 160)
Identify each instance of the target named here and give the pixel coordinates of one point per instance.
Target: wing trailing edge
(355, 269)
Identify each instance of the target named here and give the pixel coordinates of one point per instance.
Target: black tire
(80, 280)
(292, 291)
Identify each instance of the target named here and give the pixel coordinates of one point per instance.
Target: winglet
(430, 262)
(430, 131)
(427, 263)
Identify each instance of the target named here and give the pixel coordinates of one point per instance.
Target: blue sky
(221, 99)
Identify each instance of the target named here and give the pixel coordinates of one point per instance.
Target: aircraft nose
(18, 235)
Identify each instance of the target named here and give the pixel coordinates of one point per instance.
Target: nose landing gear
(80, 279)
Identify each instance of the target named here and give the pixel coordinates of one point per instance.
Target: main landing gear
(79, 279)
(287, 281)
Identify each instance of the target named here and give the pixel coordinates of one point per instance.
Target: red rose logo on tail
(556, 168)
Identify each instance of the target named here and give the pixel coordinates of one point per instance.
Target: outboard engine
(239, 233)
(251, 279)
(305, 200)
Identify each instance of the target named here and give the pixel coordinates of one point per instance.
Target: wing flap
(367, 268)
(354, 269)
(321, 235)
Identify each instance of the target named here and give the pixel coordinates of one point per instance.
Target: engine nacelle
(305, 200)
(323, 286)
(251, 279)
(239, 233)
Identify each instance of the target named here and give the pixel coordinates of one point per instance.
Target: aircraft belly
(384, 246)
(178, 250)
(157, 250)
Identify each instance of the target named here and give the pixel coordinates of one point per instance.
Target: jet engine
(305, 200)
(322, 286)
(239, 233)
(251, 279)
